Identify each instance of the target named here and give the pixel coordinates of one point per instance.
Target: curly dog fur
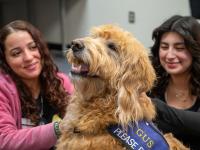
(111, 72)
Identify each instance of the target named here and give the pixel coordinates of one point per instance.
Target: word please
(145, 140)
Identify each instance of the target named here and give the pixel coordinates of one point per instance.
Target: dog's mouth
(80, 69)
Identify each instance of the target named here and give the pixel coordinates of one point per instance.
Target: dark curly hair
(189, 28)
(52, 88)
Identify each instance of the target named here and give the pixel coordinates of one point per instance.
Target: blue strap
(140, 136)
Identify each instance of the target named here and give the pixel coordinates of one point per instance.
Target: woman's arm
(183, 120)
(12, 137)
(37, 138)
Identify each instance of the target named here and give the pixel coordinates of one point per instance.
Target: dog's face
(95, 57)
(111, 59)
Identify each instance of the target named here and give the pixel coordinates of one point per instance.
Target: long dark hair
(189, 28)
(52, 88)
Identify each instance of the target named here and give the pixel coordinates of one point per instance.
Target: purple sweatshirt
(12, 136)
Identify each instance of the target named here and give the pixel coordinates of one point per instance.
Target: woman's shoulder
(8, 89)
(6, 80)
(7, 86)
(66, 82)
(62, 75)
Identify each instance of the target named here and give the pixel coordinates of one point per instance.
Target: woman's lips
(172, 64)
(31, 66)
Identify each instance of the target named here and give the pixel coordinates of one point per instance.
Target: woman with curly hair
(32, 91)
(176, 59)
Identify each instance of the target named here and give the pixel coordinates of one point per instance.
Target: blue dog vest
(140, 136)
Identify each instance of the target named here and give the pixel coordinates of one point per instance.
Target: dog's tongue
(79, 68)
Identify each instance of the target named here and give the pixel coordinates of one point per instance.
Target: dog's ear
(137, 78)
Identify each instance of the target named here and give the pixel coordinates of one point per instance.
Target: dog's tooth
(76, 68)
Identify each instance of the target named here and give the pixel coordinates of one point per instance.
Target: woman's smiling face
(174, 56)
(22, 55)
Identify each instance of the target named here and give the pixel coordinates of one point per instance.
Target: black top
(47, 111)
(184, 124)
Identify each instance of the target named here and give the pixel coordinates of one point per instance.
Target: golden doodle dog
(111, 72)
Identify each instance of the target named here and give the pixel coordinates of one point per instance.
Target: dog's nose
(77, 45)
(69, 45)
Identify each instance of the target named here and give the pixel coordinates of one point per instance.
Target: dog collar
(139, 136)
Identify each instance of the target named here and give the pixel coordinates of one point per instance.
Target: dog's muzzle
(77, 45)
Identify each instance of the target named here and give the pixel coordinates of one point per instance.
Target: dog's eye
(112, 46)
